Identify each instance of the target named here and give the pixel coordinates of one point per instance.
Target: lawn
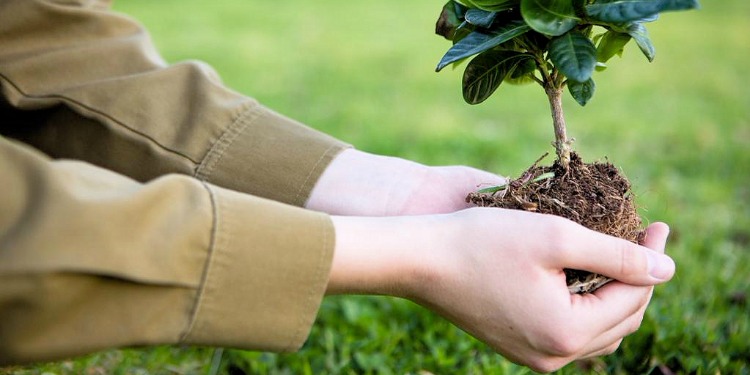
(363, 71)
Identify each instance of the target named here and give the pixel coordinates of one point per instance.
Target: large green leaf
(640, 35)
(486, 72)
(611, 43)
(633, 10)
(574, 55)
(550, 17)
(582, 91)
(478, 42)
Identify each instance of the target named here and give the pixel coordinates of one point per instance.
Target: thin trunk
(562, 143)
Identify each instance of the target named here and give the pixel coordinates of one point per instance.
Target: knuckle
(612, 348)
(564, 345)
(635, 325)
(559, 233)
(546, 365)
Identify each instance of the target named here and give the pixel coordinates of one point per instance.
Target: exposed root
(594, 195)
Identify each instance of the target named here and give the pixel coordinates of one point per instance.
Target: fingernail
(660, 266)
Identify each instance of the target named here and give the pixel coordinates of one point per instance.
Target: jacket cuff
(265, 277)
(266, 154)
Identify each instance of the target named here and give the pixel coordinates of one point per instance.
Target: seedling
(557, 44)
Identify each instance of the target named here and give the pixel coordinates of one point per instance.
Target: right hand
(358, 183)
(498, 274)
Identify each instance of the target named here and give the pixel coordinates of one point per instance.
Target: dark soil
(595, 195)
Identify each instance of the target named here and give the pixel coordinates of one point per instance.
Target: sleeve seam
(216, 152)
(75, 104)
(206, 269)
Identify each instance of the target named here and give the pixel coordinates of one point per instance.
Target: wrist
(393, 256)
(358, 183)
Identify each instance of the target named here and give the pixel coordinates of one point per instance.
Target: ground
(363, 71)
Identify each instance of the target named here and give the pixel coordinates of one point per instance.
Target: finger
(608, 341)
(656, 236)
(656, 240)
(463, 179)
(602, 352)
(617, 258)
(608, 308)
(479, 177)
(598, 333)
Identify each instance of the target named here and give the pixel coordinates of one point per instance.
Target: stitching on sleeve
(207, 268)
(206, 168)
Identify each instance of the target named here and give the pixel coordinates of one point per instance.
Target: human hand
(362, 184)
(498, 274)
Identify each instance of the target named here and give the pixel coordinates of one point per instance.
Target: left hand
(357, 183)
(498, 275)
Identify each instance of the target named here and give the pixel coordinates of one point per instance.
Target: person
(145, 203)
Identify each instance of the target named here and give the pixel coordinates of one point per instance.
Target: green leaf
(462, 32)
(640, 35)
(486, 72)
(550, 17)
(481, 18)
(651, 18)
(582, 91)
(574, 55)
(495, 189)
(633, 10)
(493, 5)
(611, 43)
(478, 42)
(450, 19)
(523, 74)
(492, 189)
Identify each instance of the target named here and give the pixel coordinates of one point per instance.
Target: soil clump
(595, 195)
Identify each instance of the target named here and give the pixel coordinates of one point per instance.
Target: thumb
(660, 266)
(623, 260)
(656, 236)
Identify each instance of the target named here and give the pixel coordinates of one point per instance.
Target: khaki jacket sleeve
(82, 82)
(90, 259)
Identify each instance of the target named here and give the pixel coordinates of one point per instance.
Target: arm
(364, 184)
(90, 260)
(85, 83)
(498, 275)
(178, 261)
(81, 82)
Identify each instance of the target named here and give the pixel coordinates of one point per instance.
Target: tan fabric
(100, 92)
(177, 251)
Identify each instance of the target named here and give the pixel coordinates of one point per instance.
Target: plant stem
(562, 143)
(553, 84)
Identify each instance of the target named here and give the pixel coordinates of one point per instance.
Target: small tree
(555, 43)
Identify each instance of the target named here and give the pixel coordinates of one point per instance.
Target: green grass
(363, 71)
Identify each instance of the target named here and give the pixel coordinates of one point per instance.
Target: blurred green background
(363, 71)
